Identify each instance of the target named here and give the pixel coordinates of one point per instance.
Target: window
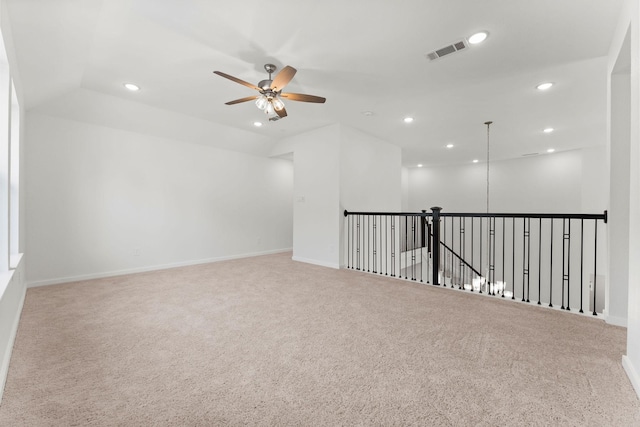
(9, 164)
(14, 175)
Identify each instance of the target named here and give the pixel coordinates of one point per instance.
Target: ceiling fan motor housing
(265, 84)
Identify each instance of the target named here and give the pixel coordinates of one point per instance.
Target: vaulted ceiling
(73, 57)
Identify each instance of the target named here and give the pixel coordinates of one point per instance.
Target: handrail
(603, 216)
(346, 213)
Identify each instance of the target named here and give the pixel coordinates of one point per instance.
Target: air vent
(447, 50)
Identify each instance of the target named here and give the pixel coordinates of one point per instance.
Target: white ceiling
(362, 55)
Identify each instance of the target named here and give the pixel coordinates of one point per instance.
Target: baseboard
(101, 275)
(4, 367)
(632, 373)
(617, 321)
(316, 262)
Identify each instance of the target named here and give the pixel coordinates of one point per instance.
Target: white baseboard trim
(617, 321)
(4, 368)
(78, 278)
(632, 373)
(316, 262)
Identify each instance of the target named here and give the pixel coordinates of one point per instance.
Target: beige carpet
(267, 341)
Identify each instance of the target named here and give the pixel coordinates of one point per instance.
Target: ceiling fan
(269, 100)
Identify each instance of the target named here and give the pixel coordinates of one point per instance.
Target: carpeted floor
(268, 341)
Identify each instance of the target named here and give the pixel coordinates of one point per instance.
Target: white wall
(619, 157)
(405, 189)
(104, 201)
(316, 211)
(630, 18)
(337, 168)
(370, 177)
(370, 173)
(595, 179)
(549, 183)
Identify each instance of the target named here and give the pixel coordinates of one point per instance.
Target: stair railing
(544, 258)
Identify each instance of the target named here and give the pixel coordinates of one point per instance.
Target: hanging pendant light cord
(488, 124)
(487, 279)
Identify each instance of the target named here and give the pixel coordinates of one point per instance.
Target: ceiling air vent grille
(447, 50)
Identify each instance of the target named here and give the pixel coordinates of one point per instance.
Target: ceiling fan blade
(282, 112)
(237, 80)
(304, 98)
(238, 101)
(283, 78)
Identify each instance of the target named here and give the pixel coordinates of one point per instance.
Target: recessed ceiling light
(475, 160)
(449, 145)
(257, 124)
(544, 86)
(548, 130)
(420, 165)
(367, 113)
(478, 37)
(408, 119)
(551, 150)
(132, 87)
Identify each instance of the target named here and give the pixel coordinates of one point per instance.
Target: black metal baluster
(348, 240)
(472, 238)
(460, 259)
(445, 253)
(485, 279)
(368, 244)
(528, 257)
(375, 252)
(393, 246)
(422, 218)
(539, 259)
(386, 245)
(435, 268)
(581, 261)
(351, 231)
(426, 231)
(595, 265)
(354, 240)
(568, 265)
(451, 271)
(363, 245)
(358, 242)
(462, 251)
(551, 268)
(492, 255)
(513, 258)
(406, 246)
(413, 248)
(504, 279)
(380, 244)
(525, 237)
(564, 245)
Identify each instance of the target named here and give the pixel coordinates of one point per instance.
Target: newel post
(435, 245)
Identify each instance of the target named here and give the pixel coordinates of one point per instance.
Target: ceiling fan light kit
(270, 91)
